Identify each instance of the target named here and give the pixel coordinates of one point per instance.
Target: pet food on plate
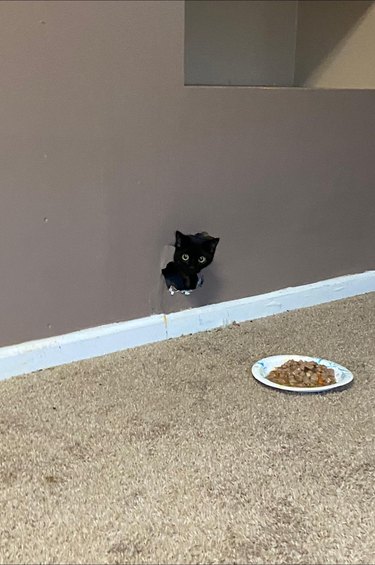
(302, 374)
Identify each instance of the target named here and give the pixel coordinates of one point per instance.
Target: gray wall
(232, 42)
(100, 136)
(336, 44)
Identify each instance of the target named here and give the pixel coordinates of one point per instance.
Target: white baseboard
(94, 342)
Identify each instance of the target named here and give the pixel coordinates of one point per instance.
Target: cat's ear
(212, 244)
(179, 239)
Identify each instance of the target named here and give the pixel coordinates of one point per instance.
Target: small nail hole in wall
(45, 220)
(49, 326)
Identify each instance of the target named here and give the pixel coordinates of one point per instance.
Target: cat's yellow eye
(185, 257)
(202, 259)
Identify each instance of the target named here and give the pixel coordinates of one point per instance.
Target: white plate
(262, 368)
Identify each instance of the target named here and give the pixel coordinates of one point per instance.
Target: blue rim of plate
(264, 366)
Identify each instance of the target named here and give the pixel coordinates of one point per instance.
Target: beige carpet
(173, 453)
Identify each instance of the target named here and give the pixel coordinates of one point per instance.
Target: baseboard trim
(33, 356)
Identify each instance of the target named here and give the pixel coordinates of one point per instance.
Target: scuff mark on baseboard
(165, 321)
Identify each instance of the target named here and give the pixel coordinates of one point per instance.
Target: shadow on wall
(210, 291)
(322, 27)
(274, 43)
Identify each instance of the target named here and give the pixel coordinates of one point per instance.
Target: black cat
(192, 254)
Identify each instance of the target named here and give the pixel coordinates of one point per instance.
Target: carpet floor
(173, 453)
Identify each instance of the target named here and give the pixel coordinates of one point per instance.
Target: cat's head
(194, 252)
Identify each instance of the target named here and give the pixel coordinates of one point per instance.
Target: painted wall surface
(336, 44)
(232, 42)
(104, 153)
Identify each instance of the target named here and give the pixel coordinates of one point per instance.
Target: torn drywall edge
(102, 340)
